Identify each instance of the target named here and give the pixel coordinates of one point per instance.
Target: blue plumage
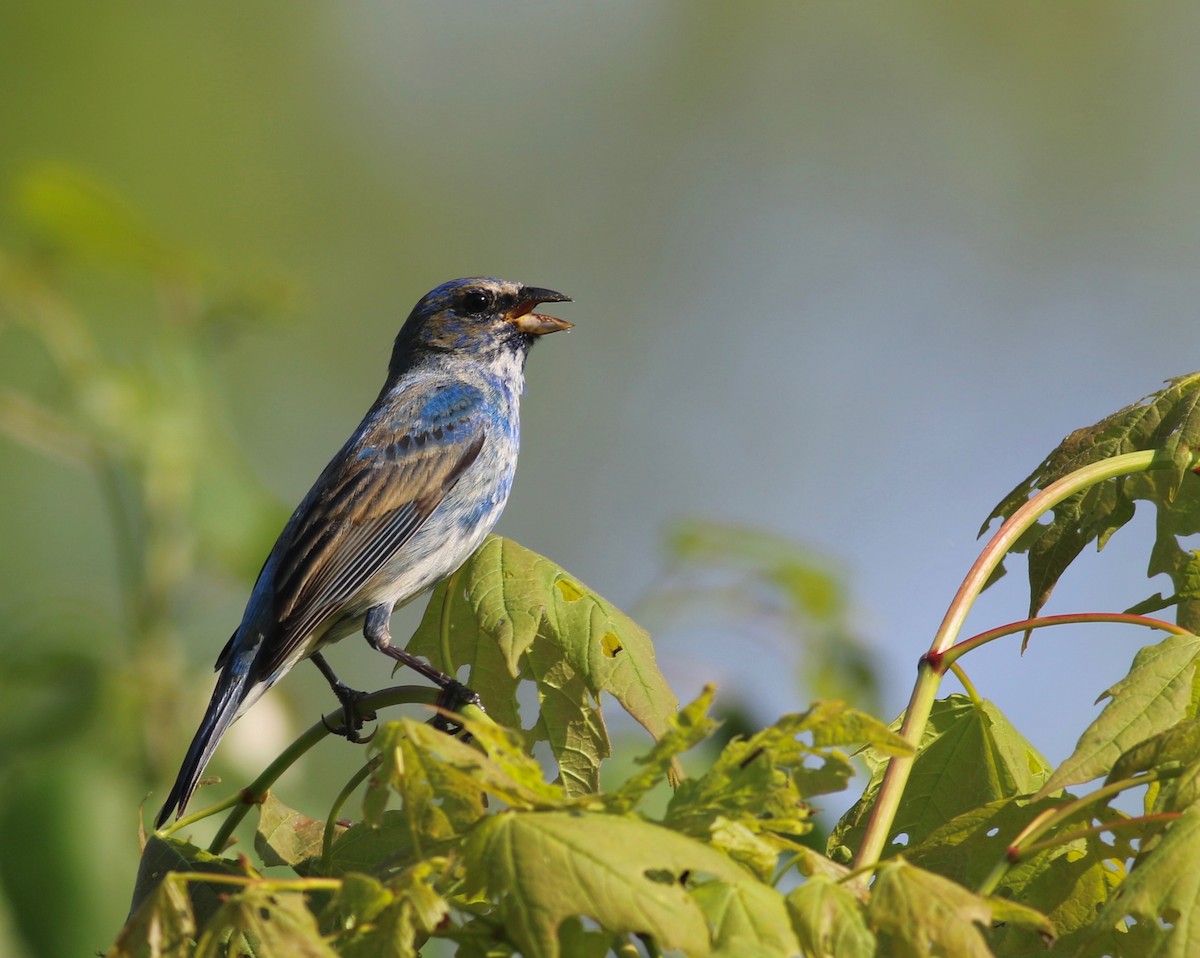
(404, 503)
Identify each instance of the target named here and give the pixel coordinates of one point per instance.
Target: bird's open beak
(537, 324)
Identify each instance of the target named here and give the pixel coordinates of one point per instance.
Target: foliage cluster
(965, 842)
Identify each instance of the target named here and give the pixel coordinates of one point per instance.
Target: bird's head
(480, 316)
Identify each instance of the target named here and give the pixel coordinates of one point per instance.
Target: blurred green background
(843, 272)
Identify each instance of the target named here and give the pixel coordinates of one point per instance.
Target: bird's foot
(352, 716)
(453, 697)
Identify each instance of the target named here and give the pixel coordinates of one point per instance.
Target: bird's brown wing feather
(349, 533)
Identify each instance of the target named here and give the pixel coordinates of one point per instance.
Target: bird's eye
(476, 301)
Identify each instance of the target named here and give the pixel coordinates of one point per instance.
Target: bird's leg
(454, 695)
(352, 717)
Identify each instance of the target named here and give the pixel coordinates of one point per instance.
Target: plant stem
(916, 716)
(256, 791)
(1050, 818)
(956, 651)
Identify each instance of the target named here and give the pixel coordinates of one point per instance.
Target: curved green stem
(1021, 846)
(343, 796)
(967, 684)
(959, 649)
(254, 793)
(920, 704)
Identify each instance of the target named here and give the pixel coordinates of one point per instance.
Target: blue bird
(404, 503)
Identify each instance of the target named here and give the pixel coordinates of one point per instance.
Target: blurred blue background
(844, 272)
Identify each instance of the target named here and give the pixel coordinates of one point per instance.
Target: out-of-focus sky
(843, 271)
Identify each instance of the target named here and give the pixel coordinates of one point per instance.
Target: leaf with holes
(968, 756)
(514, 615)
(542, 868)
(917, 913)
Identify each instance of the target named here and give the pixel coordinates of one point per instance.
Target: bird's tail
(231, 697)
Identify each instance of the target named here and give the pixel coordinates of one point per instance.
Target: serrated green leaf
(1157, 693)
(260, 923)
(748, 920)
(753, 796)
(1067, 882)
(515, 615)
(918, 914)
(286, 837)
(161, 927)
(969, 755)
(542, 868)
(432, 772)
(1161, 895)
(688, 727)
(360, 899)
(364, 846)
(1167, 422)
(1172, 748)
(829, 920)
(414, 909)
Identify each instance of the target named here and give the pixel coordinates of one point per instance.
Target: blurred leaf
(969, 755)
(1167, 421)
(1158, 692)
(161, 927)
(515, 615)
(751, 576)
(82, 216)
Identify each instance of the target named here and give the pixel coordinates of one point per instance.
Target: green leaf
(917, 913)
(286, 837)
(163, 855)
(542, 868)
(515, 615)
(363, 846)
(969, 755)
(1167, 421)
(260, 923)
(748, 920)
(1175, 747)
(1068, 881)
(829, 920)
(753, 797)
(432, 772)
(1161, 896)
(414, 909)
(689, 726)
(1158, 692)
(162, 927)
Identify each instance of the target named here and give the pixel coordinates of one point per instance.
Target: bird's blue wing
(371, 499)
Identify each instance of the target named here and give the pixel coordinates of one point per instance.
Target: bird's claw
(453, 697)
(352, 717)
